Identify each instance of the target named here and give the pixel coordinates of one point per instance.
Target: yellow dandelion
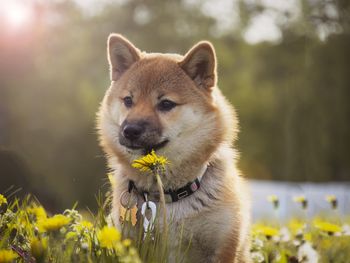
(327, 227)
(127, 242)
(38, 211)
(266, 231)
(119, 248)
(83, 226)
(308, 237)
(299, 198)
(108, 237)
(296, 226)
(7, 255)
(150, 162)
(302, 200)
(332, 199)
(71, 235)
(86, 224)
(274, 200)
(3, 204)
(38, 248)
(54, 223)
(3, 199)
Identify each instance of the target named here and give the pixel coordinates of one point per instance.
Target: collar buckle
(182, 194)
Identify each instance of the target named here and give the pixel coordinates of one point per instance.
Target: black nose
(133, 131)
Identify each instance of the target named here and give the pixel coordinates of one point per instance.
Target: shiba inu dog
(170, 104)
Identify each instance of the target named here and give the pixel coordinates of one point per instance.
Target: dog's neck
(174, 177)
(171, 194)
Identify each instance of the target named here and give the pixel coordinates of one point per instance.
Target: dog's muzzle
(141, 135)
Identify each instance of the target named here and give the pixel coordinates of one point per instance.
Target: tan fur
(200, 131)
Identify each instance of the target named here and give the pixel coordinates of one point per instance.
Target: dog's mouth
(146, 148)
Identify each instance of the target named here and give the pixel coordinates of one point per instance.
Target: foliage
(321, 239)
(291, 96)
(70, 238)
(28, 234)
(308, 244)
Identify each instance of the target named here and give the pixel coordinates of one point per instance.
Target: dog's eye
(166, 105)
(127, 101)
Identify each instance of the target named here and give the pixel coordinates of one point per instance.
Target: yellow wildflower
(38, 211)
(299, 198)
(150, 162)
(3, 204)
(83, 225)
(296, 226)
(266, 231)
(86, 224)
(274, 200)
(126, 242)
(327, 227)
(332, 199)
(7, 255)
(302, 200)
(119, 248)
(3, 199)
(71, 235)
(53, 223)
(38, 248)
(308, 237)
(108, 237)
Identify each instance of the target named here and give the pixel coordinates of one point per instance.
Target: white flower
(285, 234)
(276, 239)
(85, 246)
(346, 230)
(306, 254)
(257, 243)
(257, 257)
(296, 243)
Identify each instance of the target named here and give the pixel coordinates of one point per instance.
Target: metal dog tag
(128, 200)
(148, 225)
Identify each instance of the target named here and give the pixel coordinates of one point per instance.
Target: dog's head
(164, 102)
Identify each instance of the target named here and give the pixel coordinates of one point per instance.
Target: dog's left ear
(200, 65)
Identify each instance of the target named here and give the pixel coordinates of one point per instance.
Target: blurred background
(285, 65)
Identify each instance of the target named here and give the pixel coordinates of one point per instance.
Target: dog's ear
(121, 55)
(200, 65)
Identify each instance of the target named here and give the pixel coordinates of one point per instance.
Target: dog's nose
(133, 131)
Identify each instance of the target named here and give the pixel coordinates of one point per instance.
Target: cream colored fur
(200, 130)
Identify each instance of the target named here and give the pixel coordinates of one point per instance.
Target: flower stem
(162, 202)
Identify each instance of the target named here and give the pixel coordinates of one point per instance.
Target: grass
(29, 234)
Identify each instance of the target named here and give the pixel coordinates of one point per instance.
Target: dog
(171, 104)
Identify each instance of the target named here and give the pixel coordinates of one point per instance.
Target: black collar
(170, 195)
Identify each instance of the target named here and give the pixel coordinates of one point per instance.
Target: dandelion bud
(274, 200)
(3, 204)
(38, 249)
(302, 200)
(7, 255)
(332, 199)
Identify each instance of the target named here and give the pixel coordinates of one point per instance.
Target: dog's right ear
(121, 55)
